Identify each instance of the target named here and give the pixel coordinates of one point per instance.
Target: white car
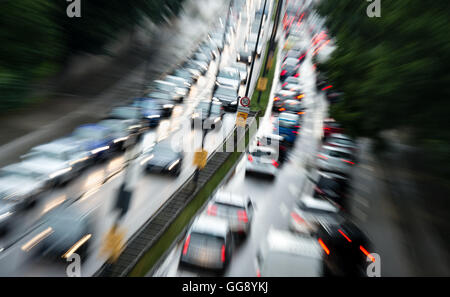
(262, 160)
(229, 77)
(309, 213)
(284, 254)
(242, 72)
(335, 159)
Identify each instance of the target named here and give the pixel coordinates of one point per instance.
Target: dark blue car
(96, 139)
(288, 127)
(151, 110)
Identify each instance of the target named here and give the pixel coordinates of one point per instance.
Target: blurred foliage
(38, 37)
(393, 69)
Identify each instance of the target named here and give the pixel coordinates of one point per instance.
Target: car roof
(210, 225)
(230, 198)
(319, 204)
(287, 242)
(54, 146)
(289, 116)
(228, 68)
(340, 135)
(338, 149)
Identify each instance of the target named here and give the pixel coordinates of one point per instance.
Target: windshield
(226, 91)
(163, 150)
(338, 154)
(341, 141)
(201, 240)
(228, 74)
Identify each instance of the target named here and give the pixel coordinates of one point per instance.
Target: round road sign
(245, 101)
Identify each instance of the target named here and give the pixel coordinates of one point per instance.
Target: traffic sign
(242, 111)
(241, 119)
(245, 101)
(200, 158)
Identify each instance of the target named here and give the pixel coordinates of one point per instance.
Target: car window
(228, 74)
(279, 264)
(206, 240)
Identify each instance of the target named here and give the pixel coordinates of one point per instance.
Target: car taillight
(345, 235)
(212, 210)
(322, 156)
(276, 99)
(300, 96)
(283, 72)
(297, 74)
(297, 126)
(366, 253)
(258, 273)
(250, 158)
(297, 218)
(349, 162)
(318, 190)
(223, 253)
(300, 112)
(186, 244)
(327, 87)
(294, 132)
(325, 248)
(275, 163)
(282, 109)
(242, 216)
(283, 85)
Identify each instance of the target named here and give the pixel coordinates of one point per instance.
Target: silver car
(229, 77)
(172, 89)
(335, 159)
(236, 209)
(309, 213)
(341, 140)
(262, 160)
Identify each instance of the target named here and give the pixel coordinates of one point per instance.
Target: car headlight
(195, 115)
(187, 84)
(249, 59)
(60, 172)
(154, 116)
(238, 57)
(173, 164)
(234, 102)
(217, 83)
(168, 106)
(5, 215)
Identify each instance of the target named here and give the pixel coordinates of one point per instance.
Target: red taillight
(276, 98)
(297, 126)
(295, 132)
(250, 158)
(242, 216)
(212, 210)
(258, 273)
(223, 253)
(345, 235)
(275, 163)
(297, 74)
(283, 72)
(301, 57)
(325, 248)
(186, 244)
(283, 85)
(366, 253)
(282, 109)
(326, 88)
(300, 112)
(347, 161)
(322, 156)
(297, 218)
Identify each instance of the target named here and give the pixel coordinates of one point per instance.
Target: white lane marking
(284, 210)
(293, 189)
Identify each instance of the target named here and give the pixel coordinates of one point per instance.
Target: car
(96, 139)
(208, 244)
(125, 113)
(9, 214)
(292, 106)
(250, 44)
(346, 250)
(190, 75)
(163, 159)
(279, 98)
(210, 49)
(164, 100)
(335, 159)
(227, 96)
(242, 68)
(341, 140)
(125, 133)
(262, 160)
(309, 212)
(283, 254)
(229, 77)
(202, 57)
(296, 54)
(288, 127)
(177, 93)
(236, 209)
(332, 186)
(218, 39)
(201, 115)
(296, 88)
(244, 56)
(180, 82)
(65, 231)
(330, 126)
(275, 141)
(152, 110)
(64, 150)
(200, 66)
(289, 67)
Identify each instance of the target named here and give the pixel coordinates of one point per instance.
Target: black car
(332, 186)
(347, 249)
(200, 116)
(227, 96)
(280, 97)
(289, 68)
(163, 159)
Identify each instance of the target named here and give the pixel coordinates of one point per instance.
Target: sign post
(242, 111)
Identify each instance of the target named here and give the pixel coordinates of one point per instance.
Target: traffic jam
(283, 211)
